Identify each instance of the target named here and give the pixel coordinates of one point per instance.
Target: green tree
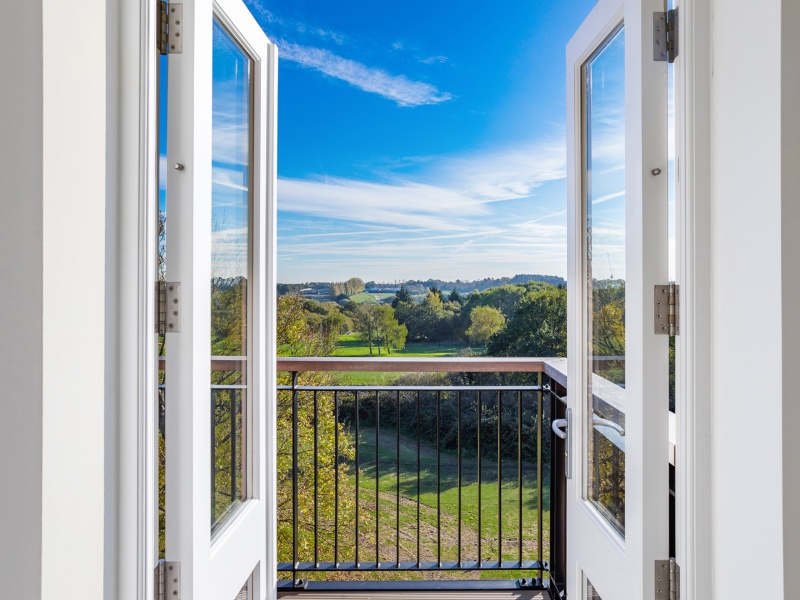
(608, 328)
(366, 322)
(296, 335)
(345, 289)
(455, 297)
(431, 320)
(538, 327)
(402, 295)
(485, 321)
(393, 333)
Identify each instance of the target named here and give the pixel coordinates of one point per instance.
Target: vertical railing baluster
(539, 503)
(438, 479)
(377, 477)
(358, 470)
(213, 457)
(480, 528)
(418, 483)
(397, 483)
(458, 453)
(595, 451)
(295, 468)
(499, 478)
(519, 469)
(232, 417)
(336, 478)
(615, 482)
(316, 480)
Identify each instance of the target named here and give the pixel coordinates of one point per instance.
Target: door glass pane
(230, 271)
(604, 208)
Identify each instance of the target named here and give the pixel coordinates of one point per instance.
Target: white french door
(220, 382)
(617, 497)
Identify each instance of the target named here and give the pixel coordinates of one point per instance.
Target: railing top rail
(410, 388)
(556, 368)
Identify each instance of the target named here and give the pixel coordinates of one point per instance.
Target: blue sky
(421, 139)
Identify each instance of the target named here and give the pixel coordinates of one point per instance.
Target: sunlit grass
(439, 503)
(351, 345)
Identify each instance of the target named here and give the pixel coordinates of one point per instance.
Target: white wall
(755, 266)
(52, 243)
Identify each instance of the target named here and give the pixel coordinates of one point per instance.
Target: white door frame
(132, 522)
(132, 526)
(693, 493)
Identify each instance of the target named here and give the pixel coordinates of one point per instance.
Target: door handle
(561, 428)
(598, 422)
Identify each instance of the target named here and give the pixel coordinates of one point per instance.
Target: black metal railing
(418, 478)
(228, 406)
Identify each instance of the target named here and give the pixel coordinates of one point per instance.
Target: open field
(351, 345)
(381, 507)
(371, 298)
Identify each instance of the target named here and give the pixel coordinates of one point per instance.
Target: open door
(220, 329)
(617, 496)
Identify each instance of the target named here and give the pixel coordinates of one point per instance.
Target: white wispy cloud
(476, 252)
(229, 251)
(162, 171)
(449, 192)
(506, 173)
(399, 88)
(474, 213)
(433, 59)
(269, 17)
(608, 197)
(408, 203)
(235, 179)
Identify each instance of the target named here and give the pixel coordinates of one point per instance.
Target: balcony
(445, 481)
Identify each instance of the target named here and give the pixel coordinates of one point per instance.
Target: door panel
(617, 138)
(221, 158)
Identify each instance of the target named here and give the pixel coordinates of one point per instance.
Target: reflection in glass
(604, 208)
(161, 346)
(591, 593)
(244, 593)
(230, 272)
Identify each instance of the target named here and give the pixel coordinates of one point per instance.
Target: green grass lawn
(371, 298)
(351, 345)
(379, 504)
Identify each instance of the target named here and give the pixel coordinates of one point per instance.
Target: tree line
(345, 289)
(511, 320)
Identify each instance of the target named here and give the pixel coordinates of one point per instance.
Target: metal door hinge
(668, 580)
(168, 580)
(665, 35)
(169, 307)
(667, 307)
(170, 27)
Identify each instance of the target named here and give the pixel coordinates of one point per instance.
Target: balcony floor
(416, 595)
